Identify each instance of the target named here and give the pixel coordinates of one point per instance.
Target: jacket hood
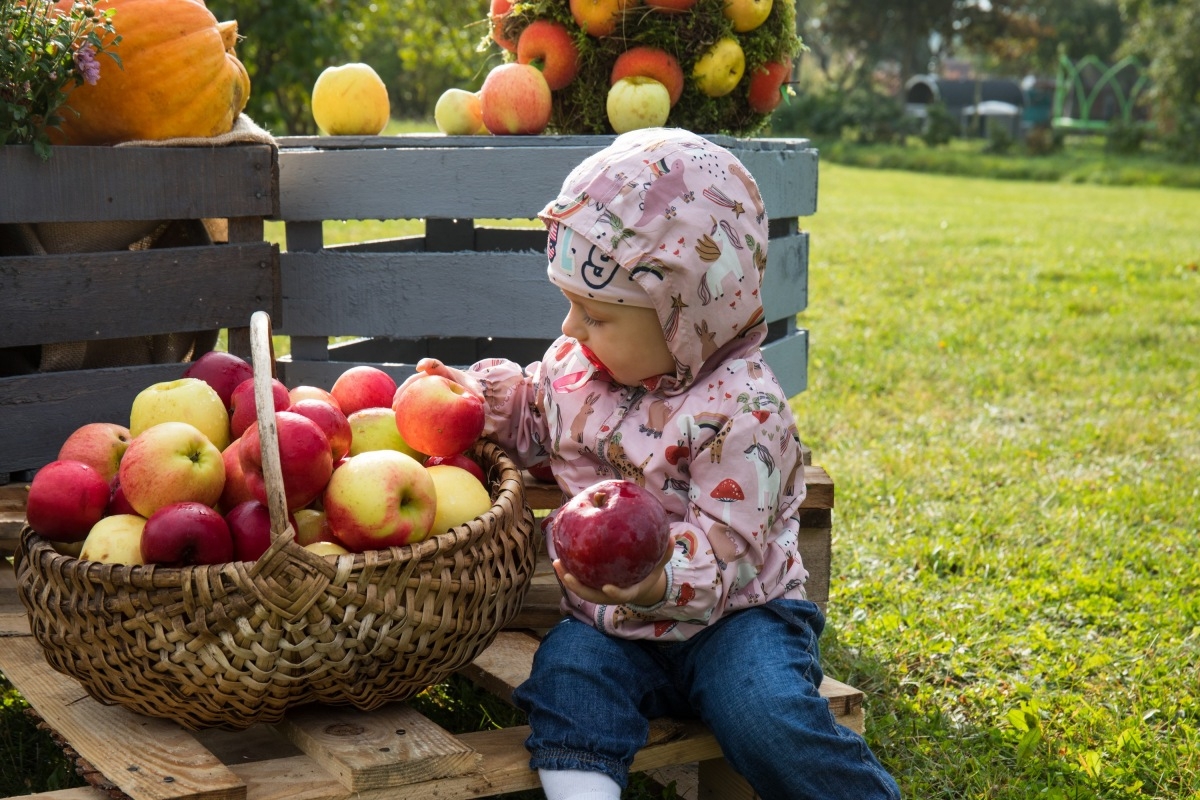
(685, 218)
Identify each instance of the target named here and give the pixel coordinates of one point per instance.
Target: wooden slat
(389, 747)
(12, 516)
(13, 620)
(61, 298)
(93, 184)
(147, 759)
(503, 666)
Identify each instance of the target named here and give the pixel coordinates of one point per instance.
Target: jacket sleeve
(514, 413)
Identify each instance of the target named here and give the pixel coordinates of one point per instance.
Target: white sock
(578, 784)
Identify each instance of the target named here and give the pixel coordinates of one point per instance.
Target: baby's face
(627, 340)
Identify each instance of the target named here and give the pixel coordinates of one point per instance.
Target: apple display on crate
(222, 371)
(99, 445)
(66, 498)
(171, 462)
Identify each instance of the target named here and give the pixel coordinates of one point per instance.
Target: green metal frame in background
(1070, 81)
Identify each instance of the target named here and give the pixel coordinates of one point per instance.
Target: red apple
(516, 100)
(598, 17)
(363, 387)
(118, 503)
(460, 460)
(381, 498)
(304, 459)
(171, 462)
(497, 12)
(242, 408)
(250, 526)
(183, 534)
(549, 44)
(235, 490)
(222, 371)
(66, 498)
(766, 85)
(542, 471)
(330, 420)
(613, 532)
(100, 445)
(437, 416)
(650, 62)
(307, 392)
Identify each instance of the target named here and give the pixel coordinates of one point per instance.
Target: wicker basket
(232, 645)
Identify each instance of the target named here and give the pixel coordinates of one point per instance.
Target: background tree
(1165, 34)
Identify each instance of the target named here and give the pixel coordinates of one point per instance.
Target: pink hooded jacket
(716, 441)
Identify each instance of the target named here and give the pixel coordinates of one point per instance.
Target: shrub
(1124, 138)
(1042, 140)
(940, 125)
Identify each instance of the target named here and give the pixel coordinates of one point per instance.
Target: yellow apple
(460, 497)
(459, 113)
(350, 100)
(720, 68)
(637, 102)
(189, 400)
(746, 15)
(326, 549)
(115, 540)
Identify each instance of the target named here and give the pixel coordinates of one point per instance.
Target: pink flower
(86, 64)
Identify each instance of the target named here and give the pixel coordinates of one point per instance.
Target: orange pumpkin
(181, 77)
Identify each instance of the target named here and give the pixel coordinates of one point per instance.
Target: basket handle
(262, 356)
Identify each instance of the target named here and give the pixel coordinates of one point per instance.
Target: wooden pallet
(330, 753)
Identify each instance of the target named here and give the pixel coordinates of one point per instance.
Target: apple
(306, 392)
(243, 410)
(766, 86)
(189, 400)
(437, 416)
(250, 527)
(549, 46)
(66, 498)
(376, 429)
(598, 17)
(460, 497)
(720, 68)
(115, 540)
(350, 100)
(311, 526)
(235, 490)
(542, 471)
(746, 15)
(99, 445)
(172, 462)
(222, 371)
(363, 387)
(327, 549)
(458, 113)
(330, 420)
(650, 62)
(460, 460)
(304, 459)
(498, 11)
(613, 532)
(671, 5)
(184, 534)
(378, 499)
(118, 503)
(516, 100)
(637, 102)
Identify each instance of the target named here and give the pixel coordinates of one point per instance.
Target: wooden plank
(13, 620)
(146, 758)
(12, 516)
(92, 184)
(62, 298)
(504, 665)
(41, 410)
(718, 781)
(389, 747)
(788, 359)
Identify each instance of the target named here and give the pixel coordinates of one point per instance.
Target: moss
(579, 108)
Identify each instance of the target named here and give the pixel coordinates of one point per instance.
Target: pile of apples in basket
(364, 466)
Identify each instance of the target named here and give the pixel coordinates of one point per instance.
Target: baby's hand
(431, 366)
(650, 591)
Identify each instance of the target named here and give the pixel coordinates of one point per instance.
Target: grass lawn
(1005, 386)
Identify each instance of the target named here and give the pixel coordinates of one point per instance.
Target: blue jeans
(752, 678)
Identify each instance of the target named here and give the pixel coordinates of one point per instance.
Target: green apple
(171, 462)
(637, 102)
(460, 497)
(720, 68)
(458, 113)
(375, 429)
(189, 400)
(115, 540)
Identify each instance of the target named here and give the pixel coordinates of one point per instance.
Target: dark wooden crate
(119, 294)
(437, 294)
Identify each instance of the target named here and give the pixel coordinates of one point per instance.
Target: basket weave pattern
(236, 644)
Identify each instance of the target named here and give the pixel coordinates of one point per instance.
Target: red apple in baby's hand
(381, 498)
(363, 387)
(304, 459)
(460, 460)
(516, 100)
(183, 534)
(169, 463)
(330, 420)
(66, 498)
(306, 392)
(222, 371)
(613, 532)
(242, 408)
(99, 445)
(437, 416)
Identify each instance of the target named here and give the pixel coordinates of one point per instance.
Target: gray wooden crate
(119, 294)
(436, 294)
